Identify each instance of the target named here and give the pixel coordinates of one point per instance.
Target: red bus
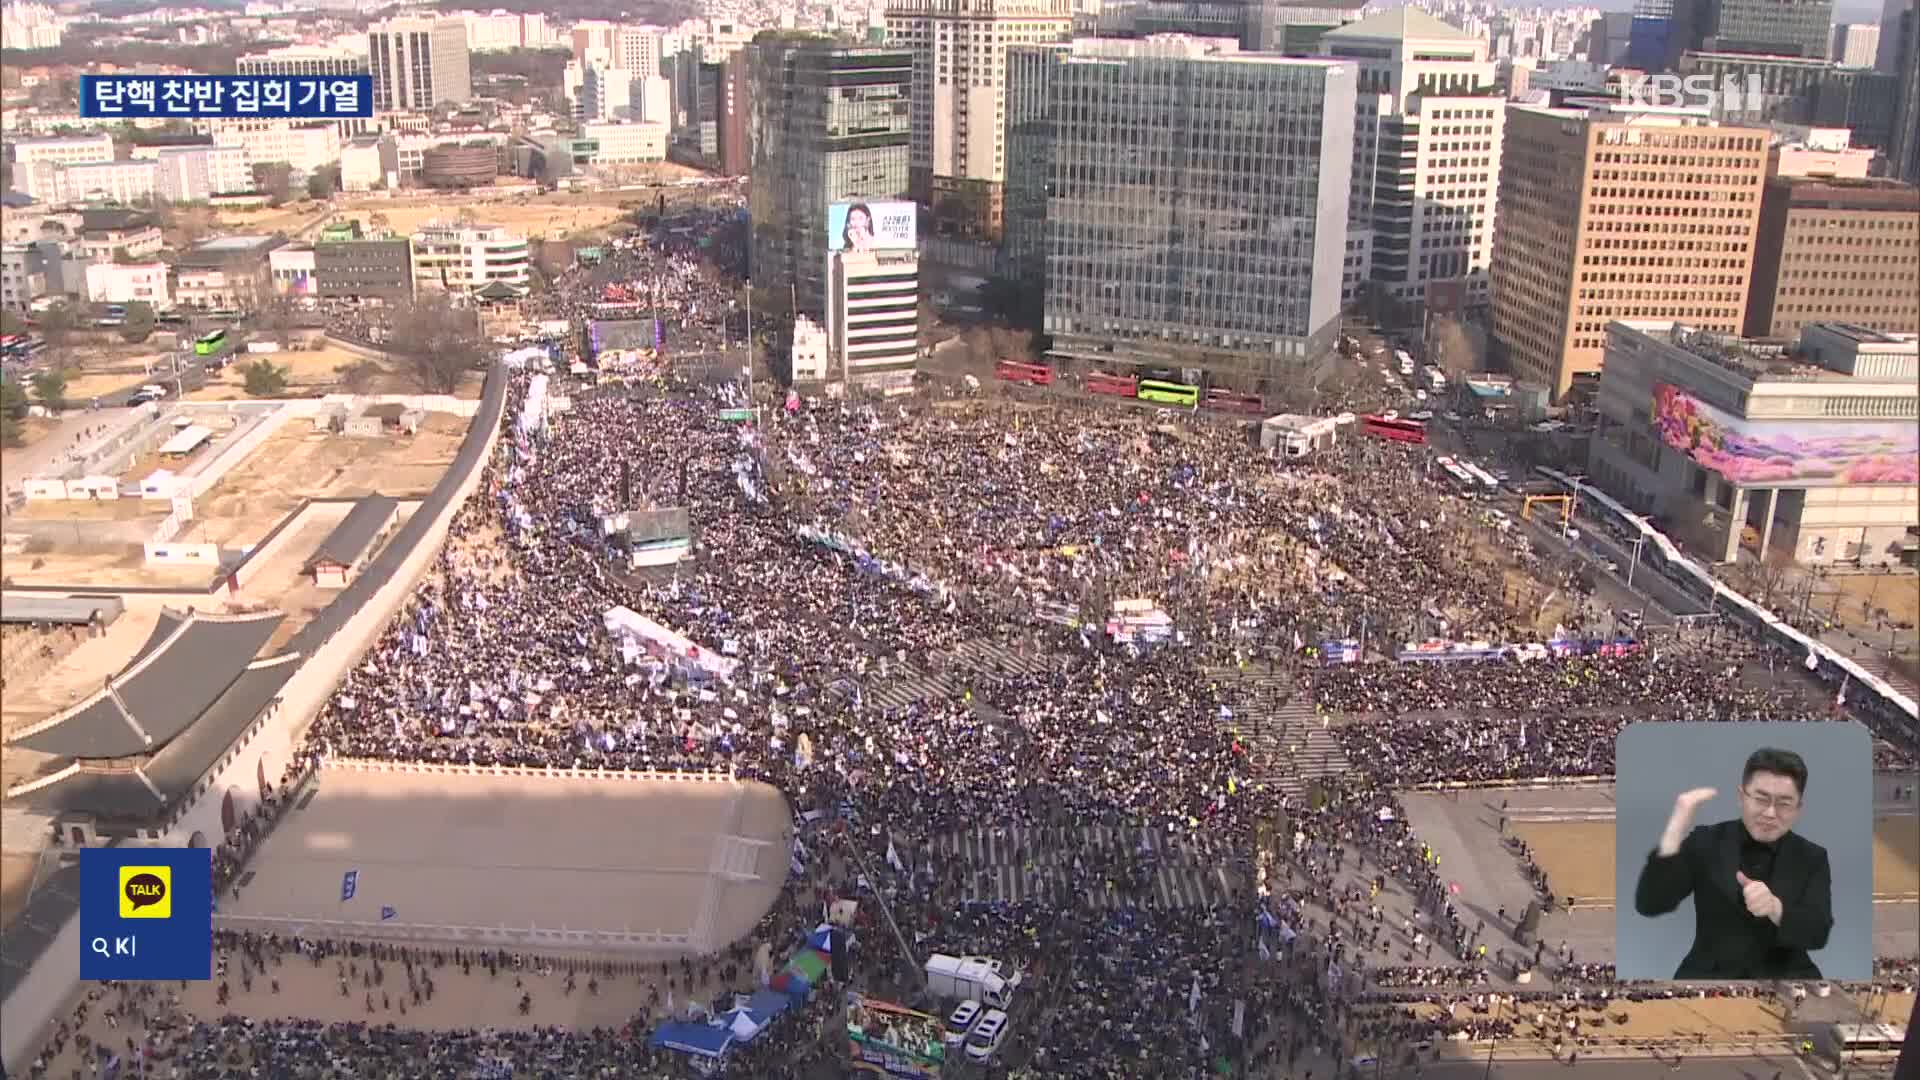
(1099, 382)
(1228, 401)
(1015, 371)
(1395, 430)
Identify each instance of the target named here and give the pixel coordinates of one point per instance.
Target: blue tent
(694, 1040)
(768, 1004)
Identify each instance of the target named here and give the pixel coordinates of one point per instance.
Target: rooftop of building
(1840, 192)
(1865, 335)
(1757, 361)
(1400, 24)
(242, 242)
(113, 219)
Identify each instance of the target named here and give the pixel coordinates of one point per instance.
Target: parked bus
(210, 344)
(1394, 429)
(1866, 1044)
(21, 346)
(1169, 393)
(1015, 371)
(1100, 382)
(1226, 400)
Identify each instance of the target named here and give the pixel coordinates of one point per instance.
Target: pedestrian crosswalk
(905, 684)
(1107, 866)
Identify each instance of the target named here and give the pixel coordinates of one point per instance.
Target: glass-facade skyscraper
(829, 124)
(1195, 201)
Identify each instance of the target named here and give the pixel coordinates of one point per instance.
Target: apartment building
(1614, 212)
(54, 151)
(625, 143)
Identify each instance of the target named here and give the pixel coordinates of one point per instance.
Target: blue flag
(386, 913)
(349, 884)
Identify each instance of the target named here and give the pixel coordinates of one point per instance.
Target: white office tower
(1429, 120)
(418, 63)
(958, 162)
(306, 60)
(604, 94)
(651, 100)
(641, 50)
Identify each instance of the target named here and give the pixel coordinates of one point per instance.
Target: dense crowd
(973, 527)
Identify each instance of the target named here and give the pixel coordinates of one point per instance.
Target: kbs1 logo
(146, 892)
(1725, 96)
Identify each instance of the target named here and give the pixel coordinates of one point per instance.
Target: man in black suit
(1762, 896)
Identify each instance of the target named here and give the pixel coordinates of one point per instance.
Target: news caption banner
(146, 913)
(322, 97)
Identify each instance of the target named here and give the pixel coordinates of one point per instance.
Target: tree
(275, 180)
(13, 409)
(12, 322)
(58, 323)
(323, 183)
(358, 377)
(139, 322)
(437, 342)
(276, 318)
(50, 386)
(265, 378)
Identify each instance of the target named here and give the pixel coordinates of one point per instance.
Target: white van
(987, 1037)
(961, 1023)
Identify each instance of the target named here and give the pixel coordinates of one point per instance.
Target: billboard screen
(605, 334)
(1789, 453)
(872, 226)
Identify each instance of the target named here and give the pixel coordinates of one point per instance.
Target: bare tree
(276, 319)
(436, 342)
(1453, 348)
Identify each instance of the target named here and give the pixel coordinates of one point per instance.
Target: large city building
(1198, 205)
(305, 60)
(711, 110)
(1426, 169)
(357, 268)
(1902, 54)
(307, 147)
(1764, 27)
(1613, 212)
(873, 316)
(1807, 451)
(1836, 250)
(1856, 45)
(829, 125)
(959, 98)
(418, 63)
(54, 150)
(633, 143)
(463, 257)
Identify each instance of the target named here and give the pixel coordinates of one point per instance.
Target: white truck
(971, 978)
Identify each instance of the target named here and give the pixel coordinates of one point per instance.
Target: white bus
(1405, 360)
(1865, 1042)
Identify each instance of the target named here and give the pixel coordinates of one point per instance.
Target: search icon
(99, 946)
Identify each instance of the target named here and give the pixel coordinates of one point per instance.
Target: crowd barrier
(518, 937)
(694, 776)
(1537, 784)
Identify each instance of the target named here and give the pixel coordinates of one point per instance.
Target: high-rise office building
(1198, 205)
(1903, 156)
(959, 96)
(418, 63)
(1612, 212)
(1426, 171)
(1766, 27)
(1855, 45)
(1029, 149)
(828, 125)
(1892, 36)
(1835, 250)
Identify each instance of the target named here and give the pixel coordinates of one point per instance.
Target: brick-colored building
(1837, 251)
(1615, 212)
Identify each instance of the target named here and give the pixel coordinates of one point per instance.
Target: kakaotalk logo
(146, 892)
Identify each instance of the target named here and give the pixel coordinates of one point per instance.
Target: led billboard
(872, 226)
(1786, 453)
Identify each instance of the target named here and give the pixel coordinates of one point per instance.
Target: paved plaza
(436, 855)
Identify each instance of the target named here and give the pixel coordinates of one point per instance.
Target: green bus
(210, 344)
(1169, 393)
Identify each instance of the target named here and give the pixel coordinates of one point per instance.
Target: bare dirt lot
(299, 463)
(313, 372)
